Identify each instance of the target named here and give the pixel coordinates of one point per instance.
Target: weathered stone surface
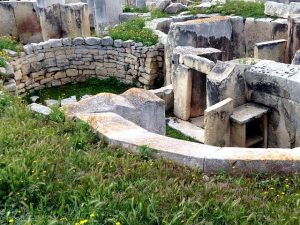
(277, 9)
(293, 39)
(107, 41)
(182, 85)
(41, 109)
(120, 132)
(137, 105)
(175, 8)
(68, 101)
(92, 41)
(226, 81)
(167, 94)
(271, 50)
(157, 4)
(75, 20)
(238, 36)
(217, 123)
(27, 22)
(150, 110)
(215, 32)
(198, 63)
(51, 102)
(8, 21)
(296, 60)
(186, 128)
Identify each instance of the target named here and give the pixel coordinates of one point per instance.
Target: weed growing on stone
(91, 86)
(59, 172)
(134, 30)
(236, 7)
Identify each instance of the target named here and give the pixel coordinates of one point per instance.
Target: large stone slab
(120, 132)
(137, 105)
(217, 123)
(253, 161)
(187, 128)
(271, 50)
(182, 85)
(226, 80)
(215, 32)
(150, 110)
(8, 21)
(27, 22)
(75, 19)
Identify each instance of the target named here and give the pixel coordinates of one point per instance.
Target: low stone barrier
(60, 61)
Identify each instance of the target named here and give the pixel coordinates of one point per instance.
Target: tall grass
(58, 172)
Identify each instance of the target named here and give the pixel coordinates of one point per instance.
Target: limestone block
(238, 36)
(271, 77)
(217, 123)
(106, 12)
(50, 18)
(175, 8)
(68, 101)
(27, 22)
(198, 63)
(277, 9)
(167, 94)
(293, 39)
(215, 32)
(226, 80)
(182, 85)
(271, 50)
(75, 20)
(8, 21)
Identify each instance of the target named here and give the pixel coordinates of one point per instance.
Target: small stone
(51, 102)
(67, 41)
(55, 43)
(118, 43)
(107, 41)
(78, 41)
(68, 101)
(33, 99)
(92, 41)
(41, 109)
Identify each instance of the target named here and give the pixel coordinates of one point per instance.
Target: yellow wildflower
(92, 215)
(11, 221)
(118, 223)
(83, 222)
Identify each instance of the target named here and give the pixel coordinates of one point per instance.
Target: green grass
(2, 63)
(170, 132)
(91, 86)
(129, 9)
(134, 30)
(10, 43)
(237, 7)
(61, 173)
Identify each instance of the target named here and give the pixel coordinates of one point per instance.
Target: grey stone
(107, 41)
(55, 43)
(92, 41)
(167, 94)
(51, 102)
(41, 109)
(78, 41)
(68, 101)
(118, 43)
(33, 99)
(175, 8)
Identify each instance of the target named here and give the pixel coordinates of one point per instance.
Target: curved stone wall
(60, 61)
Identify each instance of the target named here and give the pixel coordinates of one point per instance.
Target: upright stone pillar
(106, 13)
(46, 3)
(294, 35)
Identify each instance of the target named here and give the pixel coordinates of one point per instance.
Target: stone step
(187, 128)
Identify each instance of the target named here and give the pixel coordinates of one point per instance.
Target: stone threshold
(187, 128)
(120, 132)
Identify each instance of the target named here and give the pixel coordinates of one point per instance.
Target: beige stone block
(182, 92)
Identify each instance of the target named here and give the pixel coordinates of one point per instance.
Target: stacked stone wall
(60, 61)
